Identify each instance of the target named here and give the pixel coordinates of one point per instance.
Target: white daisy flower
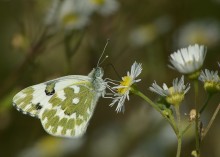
(71, 16)
(173, 95)
(206, 31)
(143, 35)
(67, 14)
(86, 7)
(104, 7)
(123, 90)
(209, 76)
(188, 60)
(52, 12)
(211, 80)
(149, 32)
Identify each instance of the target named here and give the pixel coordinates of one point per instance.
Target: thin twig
(187, 128)
(35, 50)
(211, 121)
(206, 103)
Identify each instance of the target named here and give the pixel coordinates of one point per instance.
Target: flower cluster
(186, 61)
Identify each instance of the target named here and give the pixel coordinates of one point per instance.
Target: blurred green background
(34, 50)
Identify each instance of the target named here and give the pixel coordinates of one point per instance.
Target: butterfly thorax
(98, 83)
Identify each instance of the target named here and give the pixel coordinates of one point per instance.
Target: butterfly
(64, 105)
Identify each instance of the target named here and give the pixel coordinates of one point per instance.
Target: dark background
(146, 31)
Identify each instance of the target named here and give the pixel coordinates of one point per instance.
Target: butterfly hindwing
(28, 101)
(70, 110)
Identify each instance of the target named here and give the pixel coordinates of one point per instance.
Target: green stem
(179, 137)
(197, 119)
(138, 93)
(179, 145)
(205, 104)
(177, 109)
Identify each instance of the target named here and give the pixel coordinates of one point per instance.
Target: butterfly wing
(70, 110)
(29, 100)
(32, 99)
(63, 105)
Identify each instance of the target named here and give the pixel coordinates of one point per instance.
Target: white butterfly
(64, 105)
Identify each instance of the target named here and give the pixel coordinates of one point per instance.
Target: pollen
(125, 83)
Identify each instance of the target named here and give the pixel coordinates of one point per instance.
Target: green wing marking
(23, 102)
(32, 99)
(71, 110)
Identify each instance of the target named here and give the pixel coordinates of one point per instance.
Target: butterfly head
(98, 72)
(98, 83)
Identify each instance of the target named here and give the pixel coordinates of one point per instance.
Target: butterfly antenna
(114, 69)
(99, 61)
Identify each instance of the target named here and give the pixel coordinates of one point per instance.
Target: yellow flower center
(98, 2)
(174, 98)
(126, 81)
(69, 18)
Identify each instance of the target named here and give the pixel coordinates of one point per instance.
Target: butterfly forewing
(32, 99)
(70, 110)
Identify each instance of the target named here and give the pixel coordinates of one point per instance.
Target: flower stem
(140, 94)
(197, 119)
(205, 104)
(179, 145)
(211, 121)
(179, 137)
(177, 109)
